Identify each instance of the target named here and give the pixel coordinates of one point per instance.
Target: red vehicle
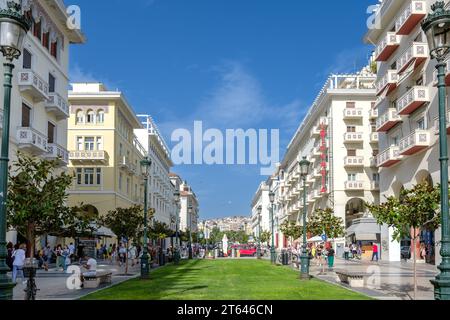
(245, 250)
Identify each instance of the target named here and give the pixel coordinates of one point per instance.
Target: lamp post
(304, 170)
(437, 29)
(273, 257)
(145, 169)
(13, 28)
(258, 248)
(176, 253)
(190, 211)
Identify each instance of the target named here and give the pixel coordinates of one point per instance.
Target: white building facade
(39, 103)
(407, 105)
(261, 223)
(338, 137)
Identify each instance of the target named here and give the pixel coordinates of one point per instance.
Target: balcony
(57, 105)
(374, 137)
(389, 119)
(354, 185)
(374, 185)
(416, 54)
(353, 113)
(373, 113)
(353, 161)
(415, 142)
(31, 83)
(412, 100)
(56, 152)
(89, 156)
(389, 157)
(125, 163)
(353, 137)
(387, 46)
(410, 17)
(31, 140)
(387, 82)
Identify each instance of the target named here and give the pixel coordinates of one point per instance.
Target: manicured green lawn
(225, 280)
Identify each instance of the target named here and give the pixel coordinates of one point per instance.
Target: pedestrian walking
(374, 251)
(330, 257)
(66, 257)
(59, 257)
(9, 257)
(132, 254)
(346, 252)
(122, 254)
(48, 255)
(19, 260)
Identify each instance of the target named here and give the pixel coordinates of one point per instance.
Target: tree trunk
(30, 239)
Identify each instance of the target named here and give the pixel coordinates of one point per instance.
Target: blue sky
(230, 63)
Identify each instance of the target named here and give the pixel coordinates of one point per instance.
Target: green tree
(216, 235)
(160, 231)
(291, 229)
(37, 200)
(416, 209)
(126, 222)
(325, 222)
(265, 237)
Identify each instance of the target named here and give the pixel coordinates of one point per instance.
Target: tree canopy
(323, 221)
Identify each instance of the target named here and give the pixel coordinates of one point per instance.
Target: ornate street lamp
(190, 211)
(304, 171)
(437, 29)
(13, 27)
(258, 249)
(273, 257)
(176, 252)
(145, 169)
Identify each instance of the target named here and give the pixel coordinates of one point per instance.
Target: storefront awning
(364, 229)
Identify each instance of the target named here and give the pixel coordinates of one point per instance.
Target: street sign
(324, 237)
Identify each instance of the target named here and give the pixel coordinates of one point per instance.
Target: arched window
(90, 117)
(100, 116)
(80, 116)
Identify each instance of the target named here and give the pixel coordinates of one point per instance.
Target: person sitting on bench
(91, 266)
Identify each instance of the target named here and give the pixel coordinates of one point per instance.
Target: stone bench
(92, 282)
(353, 279)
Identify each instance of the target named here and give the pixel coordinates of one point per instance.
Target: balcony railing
(388, 81)
(389, 157)
(31, 140)
(90, 156)
(413, 99)
(58, 105)
(410, 17)
(354, 185)
(374, 137)
(353, 113)
(415, 142)
(57, 152)
(387, 46)
(416, 54)
(354, 161)
(30, 82)
(355, 137)
(387, 120)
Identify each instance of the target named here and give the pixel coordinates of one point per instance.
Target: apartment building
(338, 137)
(104, 154)
(161, 190)
(261, 222)
(407, 107)
(39, 104)
(189, 219)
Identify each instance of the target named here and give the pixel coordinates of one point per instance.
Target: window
(26, 116)
(88, 176)
(99, 142)
(26, 59)
(128, 185)
(51, 83)
(37, 32)
(372, 105)
(54, 49)
(120, 180)
(351, 153)
(46, 40)
(376, 177)
(120, 150)
(51, 130)
(420, 124)
(79, 175)
(98, 175)
(79, 143)
(100, 116)
(89, 143)
(394, 141)
(350, 105)
(80, 116)
(375, 152)
(90, 117)
(351, 129)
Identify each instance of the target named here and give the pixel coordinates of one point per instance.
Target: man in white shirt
(91, 266)
(71, 249)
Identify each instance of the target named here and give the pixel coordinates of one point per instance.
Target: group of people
(323, 254)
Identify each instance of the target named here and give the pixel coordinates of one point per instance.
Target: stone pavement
(387, 280)
(52, 283)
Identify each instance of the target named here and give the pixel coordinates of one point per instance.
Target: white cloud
(76, 74)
